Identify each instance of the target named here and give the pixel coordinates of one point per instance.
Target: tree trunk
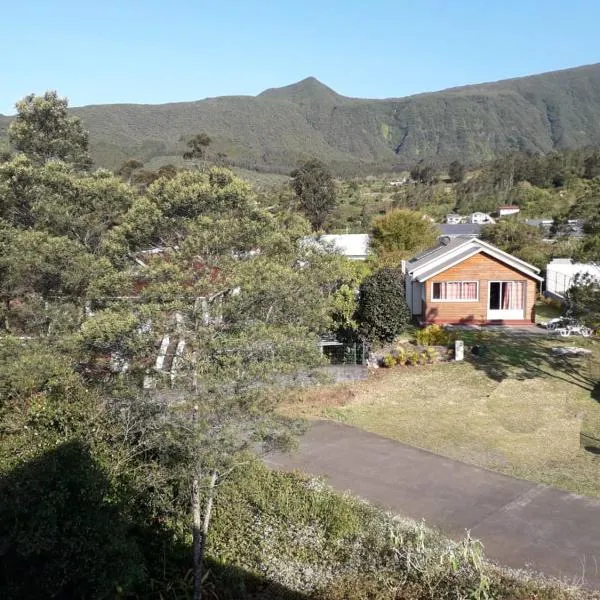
(200, 530)
(197, 540)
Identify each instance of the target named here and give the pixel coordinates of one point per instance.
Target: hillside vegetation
(281, 126)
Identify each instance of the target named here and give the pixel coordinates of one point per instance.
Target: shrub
(412, 358)
(401, 356)
(389, 361)
(382, 310)
(433, 335)
(432, 354)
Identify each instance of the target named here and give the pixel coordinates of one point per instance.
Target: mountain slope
(281, 126)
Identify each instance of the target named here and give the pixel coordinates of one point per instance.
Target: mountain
(280, 126)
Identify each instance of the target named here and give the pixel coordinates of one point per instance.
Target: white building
(481, 218)
(561, 273)
(454, 219)
(508, 209)
(354, 246)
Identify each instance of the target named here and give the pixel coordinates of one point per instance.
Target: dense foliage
(382, 311)
(400, 233)
(313, 184)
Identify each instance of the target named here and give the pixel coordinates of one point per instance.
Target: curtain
(458, 290)
(512, 295)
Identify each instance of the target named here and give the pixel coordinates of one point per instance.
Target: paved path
(520, 523)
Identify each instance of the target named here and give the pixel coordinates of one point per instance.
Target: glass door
(506, 300)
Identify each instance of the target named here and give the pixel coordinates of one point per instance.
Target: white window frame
(500, 314)
(456, 281)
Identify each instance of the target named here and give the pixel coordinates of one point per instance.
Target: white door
(506, 300)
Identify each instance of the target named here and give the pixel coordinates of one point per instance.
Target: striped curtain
(458, 290)
(512, 295)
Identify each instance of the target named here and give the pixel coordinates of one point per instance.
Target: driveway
(520, 523)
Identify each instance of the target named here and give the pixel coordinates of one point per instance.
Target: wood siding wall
(482, 268)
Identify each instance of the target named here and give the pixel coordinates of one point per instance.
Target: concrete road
(520, 523)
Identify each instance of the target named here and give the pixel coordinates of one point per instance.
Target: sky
(109, 51)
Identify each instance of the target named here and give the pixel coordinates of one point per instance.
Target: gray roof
(439, 250)
(448, 263)
(472, 245)
(472, 229)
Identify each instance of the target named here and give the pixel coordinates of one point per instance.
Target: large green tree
(400, 233)
(56, 198)
(382, 310)
(43, 131)
(315, 188)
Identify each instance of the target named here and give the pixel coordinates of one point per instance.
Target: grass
(544, 311)
(281, 535)
(517, 410)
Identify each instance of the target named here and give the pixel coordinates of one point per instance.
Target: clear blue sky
(161, 51)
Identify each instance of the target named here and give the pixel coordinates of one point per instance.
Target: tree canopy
(400, 233)
(315, 188)
(43, 131)
(382, 311)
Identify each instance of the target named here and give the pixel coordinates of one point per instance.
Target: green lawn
(545, 311)
(518, 409)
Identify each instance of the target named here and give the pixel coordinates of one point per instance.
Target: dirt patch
(335, 396)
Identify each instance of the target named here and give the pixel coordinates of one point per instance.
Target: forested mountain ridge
(281, 126)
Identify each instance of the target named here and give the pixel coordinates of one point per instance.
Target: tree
(315, 188)
(583, 300)
(43, 131)
(382, 310)
(56, 198)
(126, 170)
(592, 165)
(400, 233)
(423, 174)
(512, 236)
(456, 171)
(197, 146)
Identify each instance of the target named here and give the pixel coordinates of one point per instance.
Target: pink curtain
(512, 295)
(458, 290)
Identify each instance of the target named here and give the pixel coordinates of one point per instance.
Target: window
(452, 291)
(507, 295)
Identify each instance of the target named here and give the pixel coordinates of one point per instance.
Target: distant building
(354, 246)
(460, 229)
(508, 209)
(399, 182)
(573, 228)
(561, 273)
(481, 218)
(454, 219)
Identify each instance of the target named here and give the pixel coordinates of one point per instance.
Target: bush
(382, 310)
(401, 356)
(433, 335)
(432, 354)
(389, 361)
(412, 358)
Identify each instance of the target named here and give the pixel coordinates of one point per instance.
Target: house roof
(451, 251)
(460, 229)
(422, 259)
(567, 267)
(440, 267)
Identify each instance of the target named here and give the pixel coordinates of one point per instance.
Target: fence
(341, 353)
